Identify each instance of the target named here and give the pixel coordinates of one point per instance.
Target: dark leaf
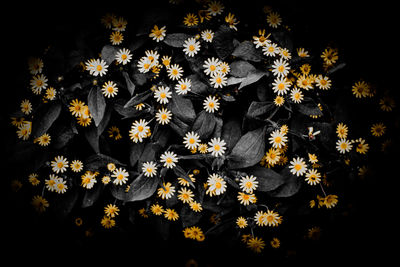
(129, 84)
(336, 68)
(97, 161)
(252, 77)
(198, 86)
(308, 107)
(64, 205)
(220, 227)
(241, 68)
(42, 125)
(231, 132)
(135, 151)
(267, 179)
(142, 187)
(129, 112)
(248, 150)
(218, 127)
(176, 39)
(290, 187)
(223, 42)
(182, 174)
(96, 104)
(91, 195)
(204, 124)
(137, 99)
(283, 40)
(93, 138)
(149, 154)
(63, 138)
(179, 126)
(246, 50)
(258, 109)
(108, 53)
(189, 217)
(182, 108)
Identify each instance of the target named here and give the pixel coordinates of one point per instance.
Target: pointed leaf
(91, 195)
(249, 149)
(108, 53)
(204, 124)
(231, 132)
(290, 187)
(176, 39)
(223, 42)
(142, 187)
(129, 84)
(268, 179)
(43, 124)
(182, 108)
(96, 104)
(258, 109)
(247, 51)
(252, 77)
(182, 174)
(241, 68)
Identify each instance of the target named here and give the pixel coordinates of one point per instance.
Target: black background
(367, 34)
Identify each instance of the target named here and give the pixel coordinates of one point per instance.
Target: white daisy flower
(217, 147)
(175, 72)
(183, 86)
(51, 182)
(248, 184)
(298, 166)
(296, 95)
(169, 159)
(191, 140)
(158, 34)
(211, 65)
(281, 85)
(216, 185)
(343, 145)
(215, 8)
(59, 164)
(144, 64)
(109, 89)
(139, 130)
(207, 35)
(123, 56)
(211, 104)
(163, 116)
(120, 175)
(277, 139)
(191, 47)
(280, 68)
(218, 79)
(99, 68)
(153, 56)
(149, 169)
(162, 93)
(38, 83)
(60, 187)
(270, 49)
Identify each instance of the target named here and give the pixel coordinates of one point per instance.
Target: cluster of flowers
(291, 86)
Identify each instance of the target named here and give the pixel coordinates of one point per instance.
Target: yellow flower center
(191, 141)
(99, 67)
(213, 67)
(297, 167)
(140, 128)
(60, 165)
(163, 95)
(168, 160)
(164, 116)
(217, 147)
(191, 47)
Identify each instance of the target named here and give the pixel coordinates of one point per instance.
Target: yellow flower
(256, 244)
(111, 210)
(191, 20)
